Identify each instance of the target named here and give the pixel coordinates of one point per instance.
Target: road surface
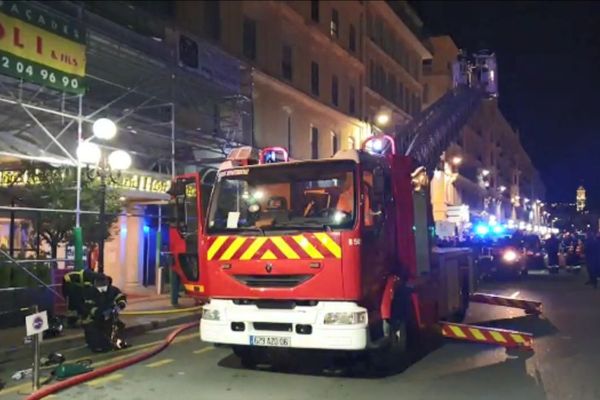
(565, 364)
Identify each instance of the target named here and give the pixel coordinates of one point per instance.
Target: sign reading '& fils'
(42, 48)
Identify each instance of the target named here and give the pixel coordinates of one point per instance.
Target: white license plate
(272, 341)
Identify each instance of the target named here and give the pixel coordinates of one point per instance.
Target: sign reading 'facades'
(42, 48)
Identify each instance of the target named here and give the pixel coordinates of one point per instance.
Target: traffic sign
(36, 323)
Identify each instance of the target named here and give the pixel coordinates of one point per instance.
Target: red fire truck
(328, 254)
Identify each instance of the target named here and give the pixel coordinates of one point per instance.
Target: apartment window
(286, 62)
(370, 30)
(352, 101)
(392, 88)
(351, 143)
(426, 93)
(352, 39)
(400, 100)
(314, 78)
(335, 23)
(249, 38)
(314, 10)
(314, 143)
(378, 31)
(334, 90)
(334, 143)
(371, 74)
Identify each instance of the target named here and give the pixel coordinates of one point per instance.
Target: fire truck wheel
(247, 355)
(392, 356)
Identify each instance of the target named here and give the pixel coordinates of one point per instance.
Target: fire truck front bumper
(326, 325)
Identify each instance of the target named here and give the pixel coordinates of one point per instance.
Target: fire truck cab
(319, 254)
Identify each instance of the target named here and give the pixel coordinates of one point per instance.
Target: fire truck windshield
(296, 196)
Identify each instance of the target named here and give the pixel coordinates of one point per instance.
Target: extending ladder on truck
(485, 334)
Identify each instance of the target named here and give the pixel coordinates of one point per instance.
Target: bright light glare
(485, 172)
(497, 229)
(88, 153)
(502, 188)
(259, 194)
(119, 160)
(377, 145)
(482, 230)
(457, 160)
(382, 119)
(338, 217)
(104, 129)
(509, 255)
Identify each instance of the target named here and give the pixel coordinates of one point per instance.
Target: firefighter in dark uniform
(73, 285)
(101, 324)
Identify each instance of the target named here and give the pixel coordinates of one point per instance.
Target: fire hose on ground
(75, 380)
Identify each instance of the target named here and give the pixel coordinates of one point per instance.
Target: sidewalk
(12, 339)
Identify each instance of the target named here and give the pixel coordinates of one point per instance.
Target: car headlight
(510, 256)
(211, 315)
(345, 318)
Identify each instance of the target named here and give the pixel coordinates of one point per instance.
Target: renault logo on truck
(269, 267)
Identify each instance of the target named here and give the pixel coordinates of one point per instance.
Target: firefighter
(552, 247)
(73, 285)
(101, 324)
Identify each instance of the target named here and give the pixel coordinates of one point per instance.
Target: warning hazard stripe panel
(483, 334)
(315, 246)
(531, 306)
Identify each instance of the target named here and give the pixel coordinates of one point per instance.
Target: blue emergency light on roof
(271, 155)
(380, 145)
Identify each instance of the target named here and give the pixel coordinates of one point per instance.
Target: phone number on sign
(39, 74)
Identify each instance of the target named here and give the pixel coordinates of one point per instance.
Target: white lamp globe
(104, 128)
(119, 160)
(88, 153)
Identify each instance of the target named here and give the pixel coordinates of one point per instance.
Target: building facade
(322, 71)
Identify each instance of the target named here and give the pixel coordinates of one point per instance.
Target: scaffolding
(171, 119)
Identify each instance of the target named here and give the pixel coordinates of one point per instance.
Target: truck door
(376, 244)
(186, 230)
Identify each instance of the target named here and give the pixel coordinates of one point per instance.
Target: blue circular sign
(38, 322)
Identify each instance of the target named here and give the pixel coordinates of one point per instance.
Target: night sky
(549, 75)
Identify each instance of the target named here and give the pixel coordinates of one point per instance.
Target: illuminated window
(335, 23)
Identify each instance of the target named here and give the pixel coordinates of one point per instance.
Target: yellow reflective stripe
(268, 256)
(212, 250)
(233, 247)
(285, 248)
(477, 334)
(329, 244)
(457, 331)
(254, 247)
(517, 338)
(498, 337)
(307, 247)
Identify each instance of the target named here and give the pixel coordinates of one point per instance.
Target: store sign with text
(42, 48)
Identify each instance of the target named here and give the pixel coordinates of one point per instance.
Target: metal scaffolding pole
(77, 233)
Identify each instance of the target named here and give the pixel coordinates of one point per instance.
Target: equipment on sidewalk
(68, 370)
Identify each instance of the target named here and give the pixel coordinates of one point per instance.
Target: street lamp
(485, 172)
(104, 167)
(382, 119)
(456, 160)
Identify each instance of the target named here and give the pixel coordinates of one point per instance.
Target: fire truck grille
(272, 281)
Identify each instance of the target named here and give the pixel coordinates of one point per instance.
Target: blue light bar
(482, 230)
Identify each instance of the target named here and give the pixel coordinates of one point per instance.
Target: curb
(60, 343)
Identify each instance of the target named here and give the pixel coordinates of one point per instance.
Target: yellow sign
(140, 183)
(40, 46)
